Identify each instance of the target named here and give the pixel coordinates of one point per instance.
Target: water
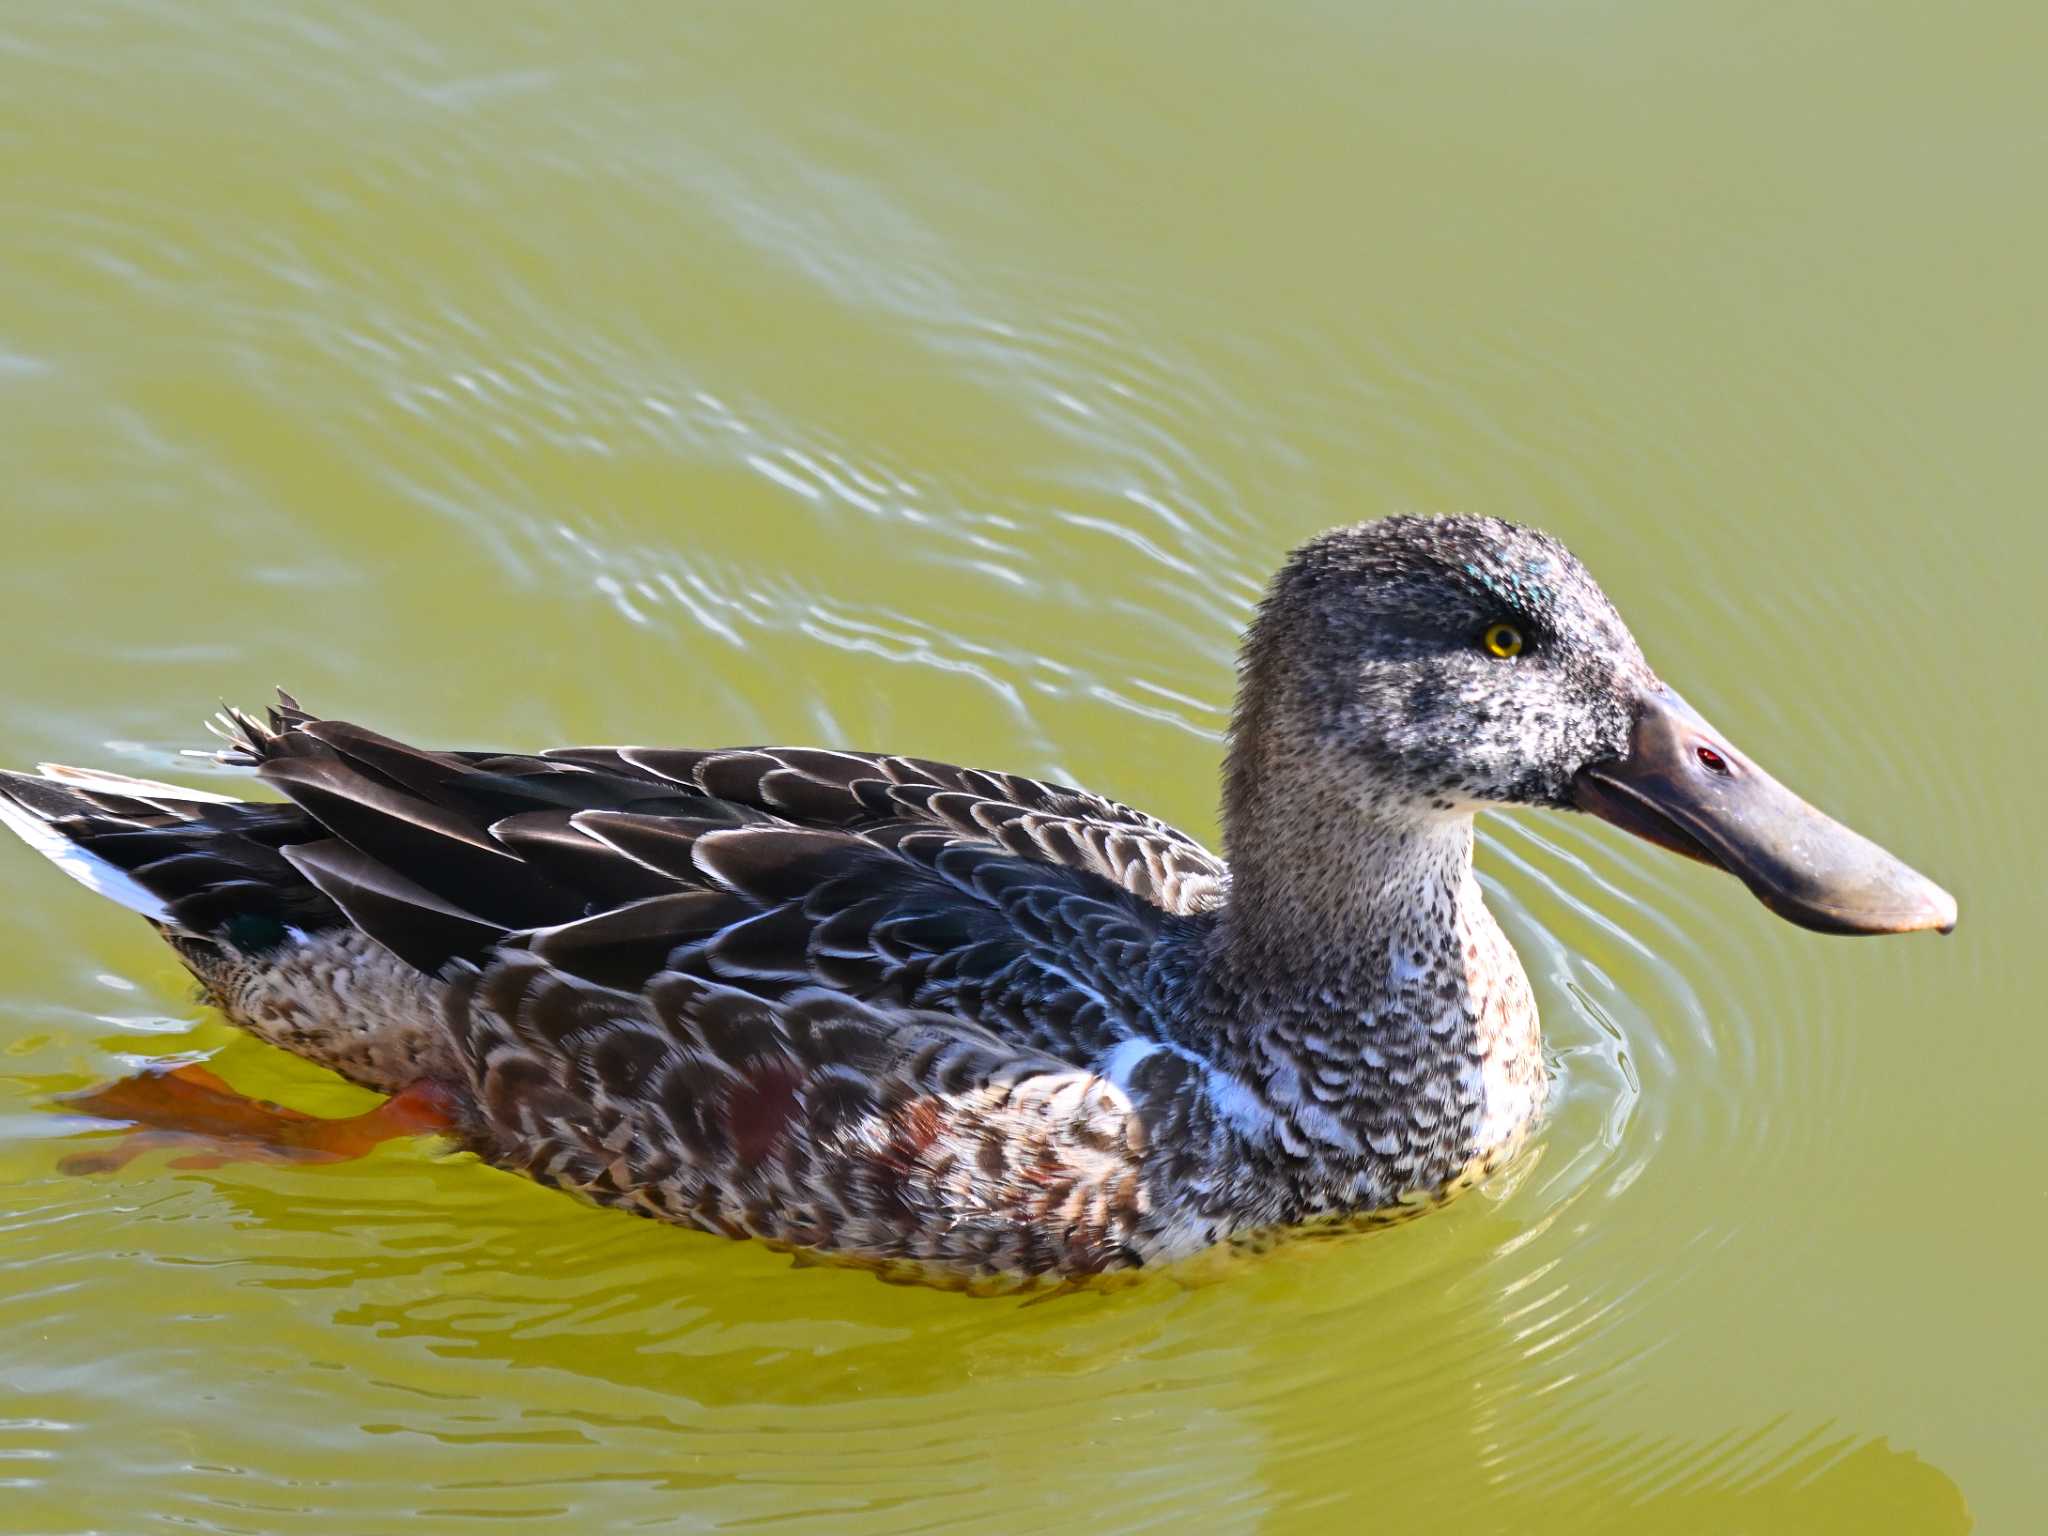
(948, 379)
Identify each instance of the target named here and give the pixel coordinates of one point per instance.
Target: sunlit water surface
(948, 380)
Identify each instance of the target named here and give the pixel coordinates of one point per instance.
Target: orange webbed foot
(192, 1111)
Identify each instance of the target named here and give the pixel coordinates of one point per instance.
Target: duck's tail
(193, 862)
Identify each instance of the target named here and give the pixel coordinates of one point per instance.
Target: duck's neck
(1356, 978)
(1346, 902)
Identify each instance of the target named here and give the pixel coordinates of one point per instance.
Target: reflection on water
(602, 1368)
(952, 385)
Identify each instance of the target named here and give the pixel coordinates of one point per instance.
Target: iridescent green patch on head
(1520, 590)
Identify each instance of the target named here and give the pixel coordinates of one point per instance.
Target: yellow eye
(1502, 640)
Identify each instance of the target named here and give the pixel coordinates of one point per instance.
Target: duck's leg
(193, 1111)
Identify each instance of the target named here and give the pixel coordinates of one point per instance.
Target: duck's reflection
(529, 1356)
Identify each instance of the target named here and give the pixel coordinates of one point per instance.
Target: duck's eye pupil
(1503, 640)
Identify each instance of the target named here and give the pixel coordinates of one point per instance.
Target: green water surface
(947, 378)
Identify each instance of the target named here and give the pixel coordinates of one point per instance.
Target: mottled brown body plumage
(961, 1023)
(338, 998)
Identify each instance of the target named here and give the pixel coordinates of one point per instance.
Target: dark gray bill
(1683, 787)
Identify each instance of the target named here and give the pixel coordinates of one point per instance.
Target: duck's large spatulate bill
(1683, 787)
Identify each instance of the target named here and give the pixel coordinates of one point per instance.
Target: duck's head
(1443, 664)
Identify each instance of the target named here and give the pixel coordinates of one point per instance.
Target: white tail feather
(86, 868)
(105, 782)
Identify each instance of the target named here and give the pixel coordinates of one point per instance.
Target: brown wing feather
(1052, 823)
(892, 879)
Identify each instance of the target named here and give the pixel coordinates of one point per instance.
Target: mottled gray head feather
(1368, 653)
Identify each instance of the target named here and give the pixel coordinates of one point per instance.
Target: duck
(959, 1025)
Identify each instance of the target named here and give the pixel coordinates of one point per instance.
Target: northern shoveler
(971, 1025)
